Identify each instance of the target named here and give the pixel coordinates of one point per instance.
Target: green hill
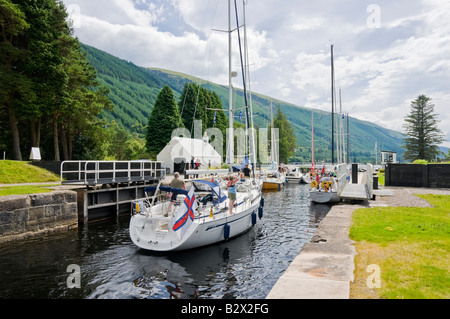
(134, 90)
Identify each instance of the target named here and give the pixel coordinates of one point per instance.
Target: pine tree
(421, 128)
(192, 106)
(164, 118)
(287, 140)
(15, 87)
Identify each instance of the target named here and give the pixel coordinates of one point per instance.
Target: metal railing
(342, 176)
(369, 180)
(106, 172)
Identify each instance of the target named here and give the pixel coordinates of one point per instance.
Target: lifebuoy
(313, 184)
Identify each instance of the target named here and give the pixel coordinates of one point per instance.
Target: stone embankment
(25, 216)
(325, 266)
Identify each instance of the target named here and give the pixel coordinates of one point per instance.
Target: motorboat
(294, 175)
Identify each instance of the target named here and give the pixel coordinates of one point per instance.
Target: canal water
(112, 267)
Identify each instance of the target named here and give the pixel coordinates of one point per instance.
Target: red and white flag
(185, 215)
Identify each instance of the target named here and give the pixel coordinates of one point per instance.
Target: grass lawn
(14, 172)
(411, 246)
(26, 189)
(380, 178)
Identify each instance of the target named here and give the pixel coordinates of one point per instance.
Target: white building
(180, 150)
(388, 157)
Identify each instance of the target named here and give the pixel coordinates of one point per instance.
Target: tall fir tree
(15, 87)
(47, 80)
(423, 135)
(287, 141)
(192, 106)
(164, 118)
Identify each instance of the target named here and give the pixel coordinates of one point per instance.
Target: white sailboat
(324, 185)
(200, 216)
(272, 178)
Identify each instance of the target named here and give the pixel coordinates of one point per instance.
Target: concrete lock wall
(24, 216)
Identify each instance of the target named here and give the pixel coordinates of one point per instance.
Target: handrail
(124, 171)
(342, 174)
(369, 179)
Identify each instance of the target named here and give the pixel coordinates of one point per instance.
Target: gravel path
(404, 196)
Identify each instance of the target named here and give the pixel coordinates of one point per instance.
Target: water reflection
(112, 267)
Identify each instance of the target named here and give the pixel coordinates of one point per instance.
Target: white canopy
(181, 149)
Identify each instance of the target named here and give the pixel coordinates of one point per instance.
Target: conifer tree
(164, 118)
(423, 135)
(287, 140)
(192, 106)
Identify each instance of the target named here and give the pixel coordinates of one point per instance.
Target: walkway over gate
(110, 172)
(108, 188)
(360, 191)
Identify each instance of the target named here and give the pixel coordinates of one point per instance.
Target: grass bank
(14, 172)
(411, 247)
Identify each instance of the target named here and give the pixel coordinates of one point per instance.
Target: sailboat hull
(273, 185)
(324, 197)
(156, 233)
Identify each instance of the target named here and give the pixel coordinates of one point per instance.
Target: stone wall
(24, 216)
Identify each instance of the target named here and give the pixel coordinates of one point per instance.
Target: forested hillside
(134, 90)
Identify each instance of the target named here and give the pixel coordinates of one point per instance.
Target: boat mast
(230, 149)
(332, 105)
(252, 132)
(313, 149)
(348, 138)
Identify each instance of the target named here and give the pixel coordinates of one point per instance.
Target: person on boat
(177, 182)
(197, 166)
(232, 192)
(246, 171)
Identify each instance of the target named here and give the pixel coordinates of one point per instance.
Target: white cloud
(380, 70)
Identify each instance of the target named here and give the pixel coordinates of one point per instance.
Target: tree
(162, 121)
(14, 85)
(192, 106)
(46, 81)
(287, 140)
(423, 135)
(83, 94)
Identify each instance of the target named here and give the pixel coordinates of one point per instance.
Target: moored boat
(294, 175)
(273, 183)
(200, 216)
(324, 191)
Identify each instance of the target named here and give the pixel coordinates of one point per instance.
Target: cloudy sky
(386, 52)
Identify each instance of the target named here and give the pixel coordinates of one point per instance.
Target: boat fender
(261, 202)
(136, 207)
(260, 212)
(253, 218)
(226, 231)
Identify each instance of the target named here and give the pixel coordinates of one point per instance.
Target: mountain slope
(134, 90)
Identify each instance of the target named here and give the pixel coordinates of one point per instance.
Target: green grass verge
(411, 246)
(24, 190)
(14, 172)
(380, 178)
